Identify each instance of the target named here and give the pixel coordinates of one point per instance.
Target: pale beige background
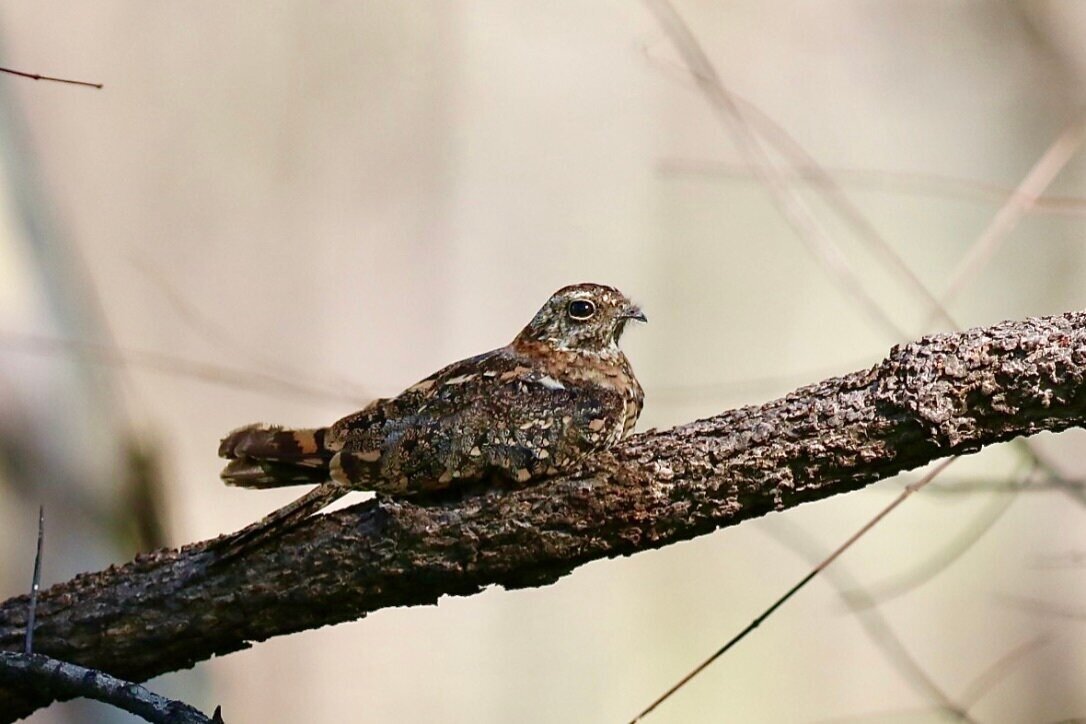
(352, 194)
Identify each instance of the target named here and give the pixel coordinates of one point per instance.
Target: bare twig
(218, 334)
(867, 614)
(1058, 561)
(1040, 176)
(988, 484)
(909, 490)
(838, 201)
(803, 165)
(1041, 607)
(995, 673)
(792, 206)
(36, 672)
(910, 714)
(907, 182)
(927, 568)
(35, 586)
(1055, 475)
(170, 365)
(37, 76)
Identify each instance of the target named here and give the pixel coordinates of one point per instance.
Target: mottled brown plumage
(560, 391)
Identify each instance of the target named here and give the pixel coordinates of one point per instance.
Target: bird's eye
(581, 309)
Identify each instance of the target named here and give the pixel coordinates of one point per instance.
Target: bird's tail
(262, 456)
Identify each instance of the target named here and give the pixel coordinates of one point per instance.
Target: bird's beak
(634, 312)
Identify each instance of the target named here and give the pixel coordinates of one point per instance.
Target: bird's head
(581, 317)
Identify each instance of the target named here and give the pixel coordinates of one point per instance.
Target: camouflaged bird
(561, 391)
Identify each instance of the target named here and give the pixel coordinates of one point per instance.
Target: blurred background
(277, 212)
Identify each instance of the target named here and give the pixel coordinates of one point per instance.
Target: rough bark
(35, 672)
(943, 395)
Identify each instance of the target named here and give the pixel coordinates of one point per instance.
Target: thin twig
(985, 484)
(995, 673)
(39, 672)
(168, 364)
(964, 539)
(905, 493)
(792, 206)
(804, 165)
(837, 200)
(1069, 487)
(871, 179)
(1060, 561)
(218, 334)
(1040, 607)
(882, 716)
(1040, 176)
(868, 615)
(37, 76)
(35, 585)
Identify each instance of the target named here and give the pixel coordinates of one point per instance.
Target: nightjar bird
(561, 391)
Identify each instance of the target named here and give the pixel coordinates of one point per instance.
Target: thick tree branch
(948, 394)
